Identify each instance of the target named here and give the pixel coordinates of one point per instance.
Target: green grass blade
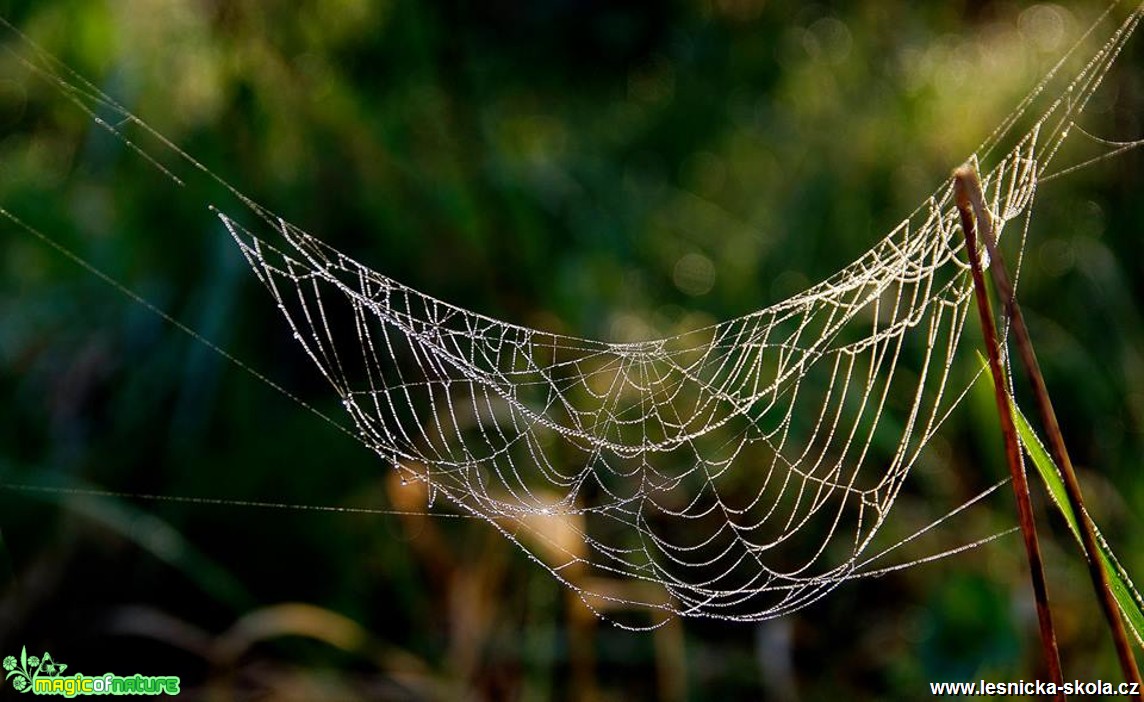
(1047, 469)
(1125, 593)
(145, 529)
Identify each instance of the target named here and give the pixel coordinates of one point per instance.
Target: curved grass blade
(1123, 590)
(145, 529)
(1127, 597)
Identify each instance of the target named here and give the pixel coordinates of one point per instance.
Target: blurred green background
(608, 169)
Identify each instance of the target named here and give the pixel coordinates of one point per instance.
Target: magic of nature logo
(42, 675)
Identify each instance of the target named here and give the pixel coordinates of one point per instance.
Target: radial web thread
(742, 470)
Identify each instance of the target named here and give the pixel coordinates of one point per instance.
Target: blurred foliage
(608, 169)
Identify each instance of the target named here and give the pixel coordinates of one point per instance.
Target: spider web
(767, 434)
(742, 470)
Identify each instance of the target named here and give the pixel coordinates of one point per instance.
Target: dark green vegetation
(594, 168)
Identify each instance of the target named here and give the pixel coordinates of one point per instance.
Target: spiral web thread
(739, 471)
(744, 468)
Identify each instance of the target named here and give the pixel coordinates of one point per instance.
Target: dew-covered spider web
(742, 470)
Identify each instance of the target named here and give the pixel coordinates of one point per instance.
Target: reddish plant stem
(965, 179)
(1056, 440)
